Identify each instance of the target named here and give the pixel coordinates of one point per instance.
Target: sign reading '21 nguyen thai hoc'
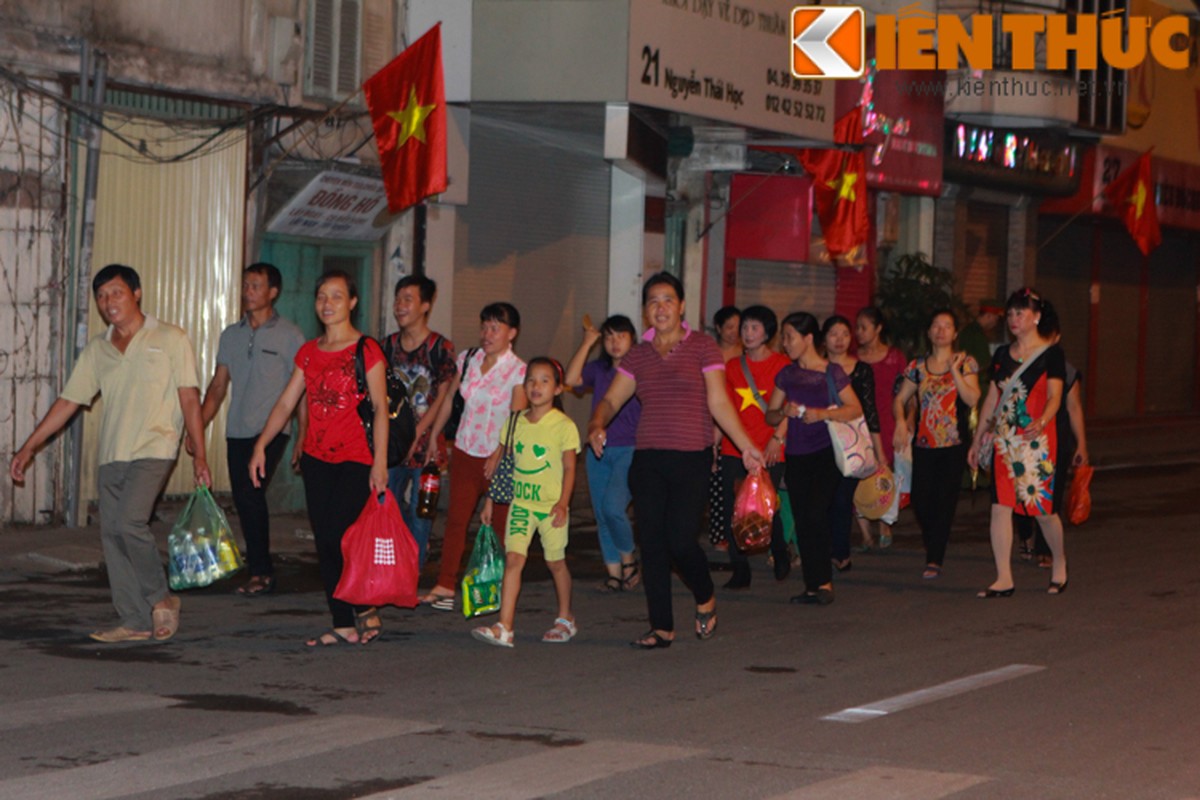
(726, 60)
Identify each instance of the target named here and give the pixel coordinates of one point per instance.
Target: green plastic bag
(485, 574)
(789, 523)
(201, 548)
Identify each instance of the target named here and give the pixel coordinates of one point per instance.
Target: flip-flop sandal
(706, 624)
(439, 602)
(120, 634)
(166, 620)
(563, 631)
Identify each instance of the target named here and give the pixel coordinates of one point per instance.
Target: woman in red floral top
(340, 470)
(946, 384)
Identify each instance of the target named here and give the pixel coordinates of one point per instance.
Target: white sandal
(563, 631)
(486, 634)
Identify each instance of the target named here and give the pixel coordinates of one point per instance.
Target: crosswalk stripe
(940, 692)
(207, 759)
(50, 710)
(886, 783)
(556, 770)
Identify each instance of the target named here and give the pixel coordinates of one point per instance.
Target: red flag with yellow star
(840, 187)
(407, 101)
(1131, 195)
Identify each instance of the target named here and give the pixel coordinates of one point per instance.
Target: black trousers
(812, 480)
(936, 484)
(251, 503)
(733, 469)
(336, 495)
(669, 496)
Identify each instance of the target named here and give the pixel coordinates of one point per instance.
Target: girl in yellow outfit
(545, 442)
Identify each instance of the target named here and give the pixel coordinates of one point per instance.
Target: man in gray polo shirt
(255, 357)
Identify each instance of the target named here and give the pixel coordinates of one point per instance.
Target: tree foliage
(909, 291)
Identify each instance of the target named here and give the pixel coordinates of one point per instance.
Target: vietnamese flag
(1131, 194)
(840, 187)
(407, 101)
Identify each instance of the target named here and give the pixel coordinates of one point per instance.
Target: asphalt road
(932, 692)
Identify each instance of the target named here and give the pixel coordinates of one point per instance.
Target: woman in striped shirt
(678, 375)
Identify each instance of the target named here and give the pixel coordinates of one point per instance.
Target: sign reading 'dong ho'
(335, 205)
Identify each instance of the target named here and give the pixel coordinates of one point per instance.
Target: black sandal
(630, 575)
(612, 585)
(368, 632)
(257, 586)
(706, 624)
(651, 640)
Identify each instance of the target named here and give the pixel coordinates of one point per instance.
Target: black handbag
(458, 402)
(500, 491)
(402, 421)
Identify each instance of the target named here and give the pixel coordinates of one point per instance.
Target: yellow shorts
(524, 522)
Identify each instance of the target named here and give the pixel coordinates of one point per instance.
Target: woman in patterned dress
(1021, 417)
(946, 385)
(887, 364)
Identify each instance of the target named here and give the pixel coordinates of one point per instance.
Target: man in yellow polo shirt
(146, 372)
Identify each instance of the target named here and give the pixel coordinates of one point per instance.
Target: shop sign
(903, 130)
(336, 205)
(1033, 162)
(726, 60)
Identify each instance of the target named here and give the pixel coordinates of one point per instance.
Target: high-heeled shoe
(988, 594)
(1057, 588)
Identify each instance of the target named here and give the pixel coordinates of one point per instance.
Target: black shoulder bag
(402, 421)
(458, 402)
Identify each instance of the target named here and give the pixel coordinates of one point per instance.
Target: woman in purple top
(608, 476)
(679, 376)
(803, 391)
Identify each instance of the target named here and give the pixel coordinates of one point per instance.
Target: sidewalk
(51, 549)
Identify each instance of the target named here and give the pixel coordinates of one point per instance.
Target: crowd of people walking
(679, 419)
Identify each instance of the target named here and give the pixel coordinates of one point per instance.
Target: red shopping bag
(379, 557)
(1079, 496)
(754, 508)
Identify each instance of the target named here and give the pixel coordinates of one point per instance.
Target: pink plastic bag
(754, 508)
(379, 557)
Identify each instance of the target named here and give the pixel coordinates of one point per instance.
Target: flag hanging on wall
(1131, 194)
(840, 187)
(407, 101)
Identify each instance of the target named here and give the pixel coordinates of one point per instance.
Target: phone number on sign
(795, 108)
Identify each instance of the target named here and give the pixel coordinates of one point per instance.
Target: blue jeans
(608, 481)
(409, 478)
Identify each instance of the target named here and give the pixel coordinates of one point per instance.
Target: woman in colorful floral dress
(946, 385)
(1020, 416)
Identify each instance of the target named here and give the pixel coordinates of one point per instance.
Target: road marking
(555, 770)
(933, 693)
(886, 783)
(207, 759)
(50, 710)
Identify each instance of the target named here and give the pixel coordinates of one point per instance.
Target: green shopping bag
(485, 574)
(789, 522)
(201, 548)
